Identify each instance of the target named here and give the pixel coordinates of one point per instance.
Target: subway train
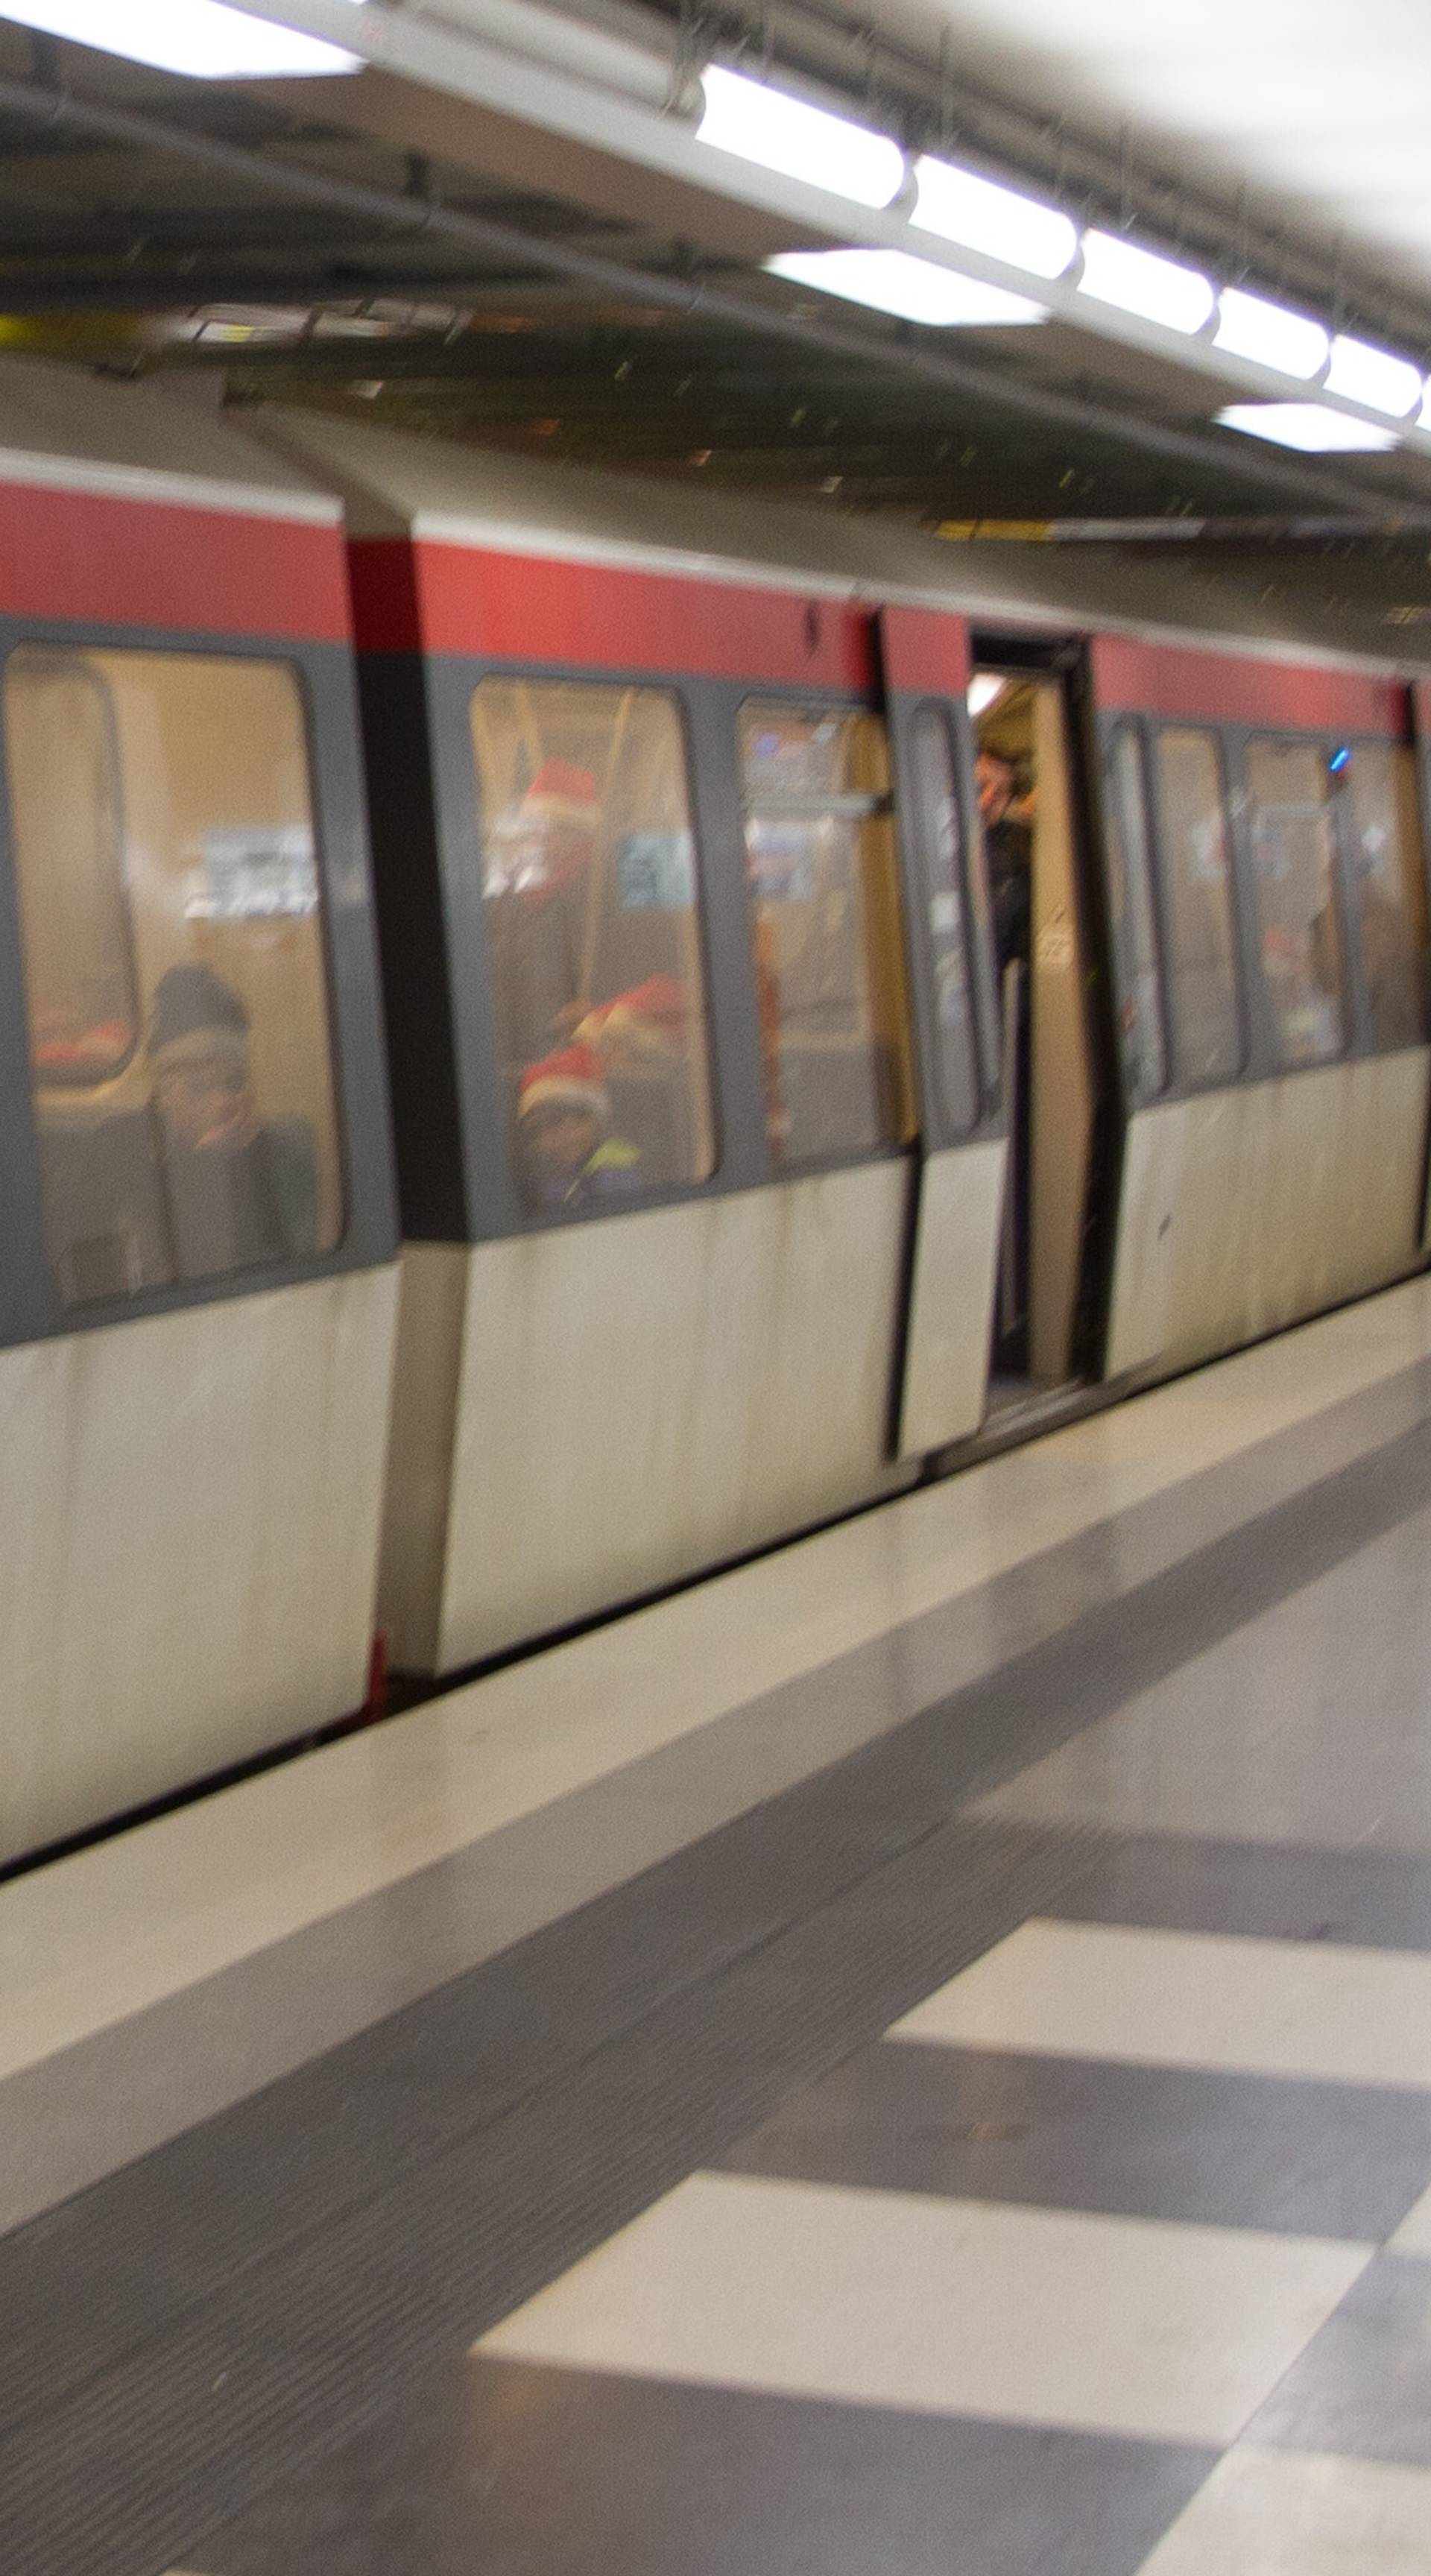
(560, 1030)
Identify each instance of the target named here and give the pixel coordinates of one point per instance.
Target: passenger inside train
(569, 1156)
(240, 1191)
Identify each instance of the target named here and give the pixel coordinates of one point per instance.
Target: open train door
(942, 1377)
(1027, 703)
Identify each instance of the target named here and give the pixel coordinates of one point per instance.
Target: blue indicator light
(1338, 761)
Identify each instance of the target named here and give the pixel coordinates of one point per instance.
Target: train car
(198, 1282)
(752, 1152)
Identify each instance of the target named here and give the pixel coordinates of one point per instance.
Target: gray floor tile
(1272, 1891)
(1135, 2141)
(1363, 2385)
(525, 2471)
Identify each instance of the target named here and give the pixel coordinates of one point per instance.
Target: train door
(1030, 811)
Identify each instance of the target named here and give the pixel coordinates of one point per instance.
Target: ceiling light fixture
(1374, 377)
(918, 290)
(962, 207)
(201, 38)
(1251, 326)
(768, 126)
(984, 688)
(1313, 427)
(1121, 273)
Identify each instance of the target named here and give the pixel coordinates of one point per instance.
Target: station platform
(910, 2059)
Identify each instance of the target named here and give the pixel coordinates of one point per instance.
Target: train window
(1135, 941)
(1293, 852)
(939, 842)
(1378, 792)
(162, 828)
(1202, 947)
(590, 901)
(826, 928)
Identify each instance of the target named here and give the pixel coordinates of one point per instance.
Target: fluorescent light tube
(984, 688)
(1314, 427)
(1121, 273)
(918, 290)
(1372, 376)
(962, 207)
(1250, 326)
(787, 134)
(202, 38)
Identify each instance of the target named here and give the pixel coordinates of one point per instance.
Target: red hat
(562, 793)
(570, 1079)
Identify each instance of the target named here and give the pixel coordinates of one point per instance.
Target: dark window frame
(799, 700)
(1365, 1042)
(1352, 999)
(1184, 1085)
(65, 658)
(520, 1218)
(31, 1307)
(1137, 730)
(917, 840)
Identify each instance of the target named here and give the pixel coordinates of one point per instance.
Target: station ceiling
(387, 247)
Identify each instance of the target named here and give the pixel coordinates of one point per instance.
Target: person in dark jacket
(240, 1193)
(1008, 851)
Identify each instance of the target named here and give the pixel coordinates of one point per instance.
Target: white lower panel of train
(1243, 1210)
(189, 1516)
(587, 1413)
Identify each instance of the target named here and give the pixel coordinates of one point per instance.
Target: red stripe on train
(524, 608)
(110, 562)
(1170, 680)
(925, 648)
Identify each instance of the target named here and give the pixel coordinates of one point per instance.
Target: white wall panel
(1244, 1209)
(951, 1315)
(638, 1398)
(189, 1510)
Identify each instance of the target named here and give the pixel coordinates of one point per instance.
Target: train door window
(1294, 861)
(826, 928)
(1377, 782)
(162, 827)
(1135, 940)
(1202, 947)
(593, 925)
(938, 839)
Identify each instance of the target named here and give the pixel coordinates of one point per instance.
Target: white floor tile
(945, 2307)
(1311, 2009)
(1288, 2513)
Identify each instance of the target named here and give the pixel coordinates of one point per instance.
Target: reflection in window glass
(177, 1006)
(1202, 965)
(1135, 945)
(1293, 852)
(820, 856)
(939, 841)
(589, 886)
(1378, 789)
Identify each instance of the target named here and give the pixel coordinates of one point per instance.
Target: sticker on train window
(656, 872)
(256, 875)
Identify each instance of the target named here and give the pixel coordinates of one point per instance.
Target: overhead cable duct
(420, 219)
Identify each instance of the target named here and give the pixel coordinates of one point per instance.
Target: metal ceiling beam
(416, 219)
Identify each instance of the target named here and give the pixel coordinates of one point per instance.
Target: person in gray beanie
(241, 1194)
